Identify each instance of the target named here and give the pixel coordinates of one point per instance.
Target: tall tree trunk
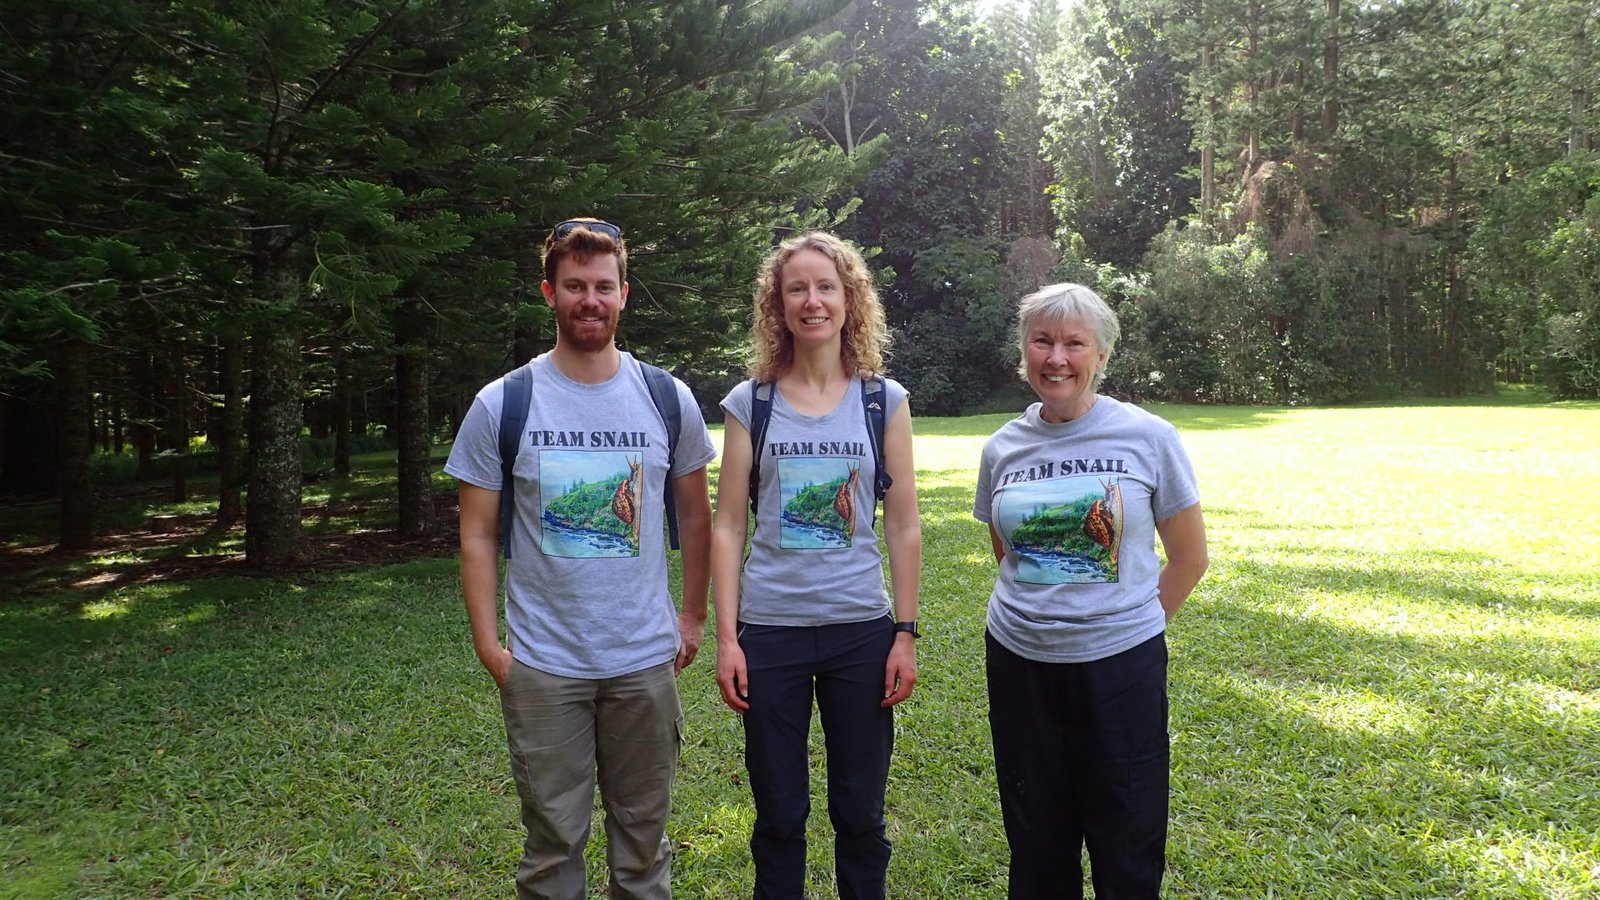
(102, 422)
(411, 419)
(1330, 74)
(76, 443)
(230, 431)
(1208, 147)
(272, 517)
(30, 455)
(1253, 91)
(1455, 289)
(1297, 122)
(144, 413)
(177, 425)
(1578, 140)
(341, 412)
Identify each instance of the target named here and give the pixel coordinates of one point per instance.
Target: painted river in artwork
(1043, 567)
(579, 543)
(800, 535)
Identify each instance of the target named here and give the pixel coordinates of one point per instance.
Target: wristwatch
(909, 627)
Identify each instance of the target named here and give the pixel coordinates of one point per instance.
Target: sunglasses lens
(605, 228)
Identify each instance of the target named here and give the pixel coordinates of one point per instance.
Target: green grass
(1387, 686)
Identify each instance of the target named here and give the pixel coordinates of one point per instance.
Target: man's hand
(497, 660)
(691, 631)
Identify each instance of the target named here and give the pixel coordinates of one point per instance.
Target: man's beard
(585, 338)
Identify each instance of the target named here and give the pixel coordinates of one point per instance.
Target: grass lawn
(1388, 685)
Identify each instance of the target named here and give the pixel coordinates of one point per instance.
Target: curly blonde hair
(865, 336)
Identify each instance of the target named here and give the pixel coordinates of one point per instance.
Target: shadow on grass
(1443, 579)
(1379, 755)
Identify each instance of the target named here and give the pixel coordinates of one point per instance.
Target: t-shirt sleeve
(694, 440)
(737, 403)
(475, 455)
(1176, 491)
(895, 394)
(982, 502)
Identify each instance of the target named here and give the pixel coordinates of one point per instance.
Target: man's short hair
(572, 238)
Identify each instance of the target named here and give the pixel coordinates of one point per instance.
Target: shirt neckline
(850, 392)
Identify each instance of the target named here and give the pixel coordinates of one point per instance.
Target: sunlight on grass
(225, 547)
(109, 608)
(722, 830)
(194, 615)
(1360, 710)
(1518, 863)
(190, 508)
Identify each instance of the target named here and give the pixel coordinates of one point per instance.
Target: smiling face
(1062, 359)
(814, 298)
(587, 297)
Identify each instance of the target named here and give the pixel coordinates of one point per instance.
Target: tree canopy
(263, 236)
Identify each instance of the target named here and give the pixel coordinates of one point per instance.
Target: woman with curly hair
(810, 615)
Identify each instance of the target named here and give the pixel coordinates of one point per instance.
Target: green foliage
(925, 82)
(587, 505)
(1208, 317)
(1364, 153)
(1059, 529)
(370, 185)
(1537, 259)
(1117, 133)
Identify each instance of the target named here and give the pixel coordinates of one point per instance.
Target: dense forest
(258, 237)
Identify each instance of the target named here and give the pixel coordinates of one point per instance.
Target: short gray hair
(1065, 302)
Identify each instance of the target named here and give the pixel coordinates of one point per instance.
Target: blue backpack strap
(664, 394)
(874, 397)
(518, 387)
(760, 417)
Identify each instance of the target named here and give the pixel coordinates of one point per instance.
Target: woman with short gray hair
(1075, 492)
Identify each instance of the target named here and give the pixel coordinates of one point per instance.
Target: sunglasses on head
(605, 228)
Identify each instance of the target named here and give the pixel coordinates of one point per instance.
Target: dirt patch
(158, 551)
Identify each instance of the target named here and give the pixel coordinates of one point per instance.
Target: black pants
(844, 664)
(1081, 754)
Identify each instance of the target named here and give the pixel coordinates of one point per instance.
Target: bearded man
(594, 642)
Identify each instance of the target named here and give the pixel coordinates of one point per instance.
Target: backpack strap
(874, 397)
(664, 394)
(518, 388)
(760, 417)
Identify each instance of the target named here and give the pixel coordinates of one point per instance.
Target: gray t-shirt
(586, 587)
(1076, 505)
(814, 557)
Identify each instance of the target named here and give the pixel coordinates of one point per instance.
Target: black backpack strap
(760, 417)
(874, 397)
(664, 394)
(518, 389)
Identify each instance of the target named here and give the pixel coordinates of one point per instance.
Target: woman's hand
(732, 679)
(900, 674)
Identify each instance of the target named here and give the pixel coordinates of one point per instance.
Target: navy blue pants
(1081, 755)
(843, 665)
